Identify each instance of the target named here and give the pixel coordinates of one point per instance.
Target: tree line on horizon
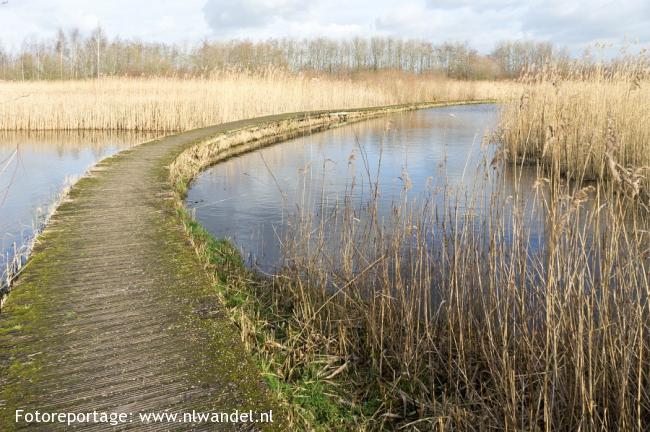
(73, 55)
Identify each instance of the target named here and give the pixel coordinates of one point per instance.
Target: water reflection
(35, 167)
(434, 161)
(251, 198)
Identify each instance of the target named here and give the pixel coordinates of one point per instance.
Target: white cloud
(479, 5)
(583, 21)
(480, 22)
(224, 15)
(162, 20)
(480, 28)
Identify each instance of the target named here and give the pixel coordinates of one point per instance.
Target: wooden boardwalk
(114, 312)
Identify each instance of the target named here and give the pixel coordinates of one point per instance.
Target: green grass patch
(313, 402)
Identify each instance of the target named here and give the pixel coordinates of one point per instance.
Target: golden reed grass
(174, 104)
(518, 307)
(435, 320)
(504, 305)
(587, 125)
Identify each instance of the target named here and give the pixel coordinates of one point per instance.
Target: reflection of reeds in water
(14, 144)
(459, 315)
(71, 141)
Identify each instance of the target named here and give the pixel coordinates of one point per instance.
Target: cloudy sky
(575, 23)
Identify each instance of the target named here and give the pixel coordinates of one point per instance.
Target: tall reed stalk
(175, 104)
(586, 123)
(495, 308)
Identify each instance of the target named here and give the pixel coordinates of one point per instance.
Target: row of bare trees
(72, 55)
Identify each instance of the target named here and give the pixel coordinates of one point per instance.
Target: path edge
(220, 258)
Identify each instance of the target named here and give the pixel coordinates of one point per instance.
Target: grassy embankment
(430, 321)
(434, 320)
(426, 321)
(162, 105)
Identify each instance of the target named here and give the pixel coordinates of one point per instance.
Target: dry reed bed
(443, 323)
(453, 315)
(172, 104)
(586, 126)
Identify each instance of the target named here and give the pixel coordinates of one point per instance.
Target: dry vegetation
(586, 124)
(526, 311)
(436, 320)
(171, 104)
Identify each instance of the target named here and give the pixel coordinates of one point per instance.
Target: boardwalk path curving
(115, 313)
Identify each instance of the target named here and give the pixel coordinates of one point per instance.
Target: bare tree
(98, 42)
(73, 55)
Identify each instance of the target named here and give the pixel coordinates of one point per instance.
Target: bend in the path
(115, 313)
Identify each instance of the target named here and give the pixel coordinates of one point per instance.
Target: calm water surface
(36, 166)
(250, 198)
